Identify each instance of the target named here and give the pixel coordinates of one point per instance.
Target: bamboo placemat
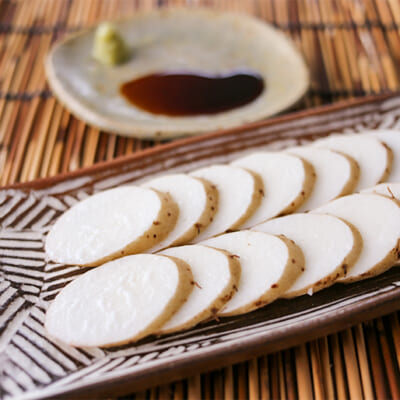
(352, 48)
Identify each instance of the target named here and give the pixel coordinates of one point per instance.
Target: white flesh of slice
(373, 157)
(119, 302)
(269, 266)
(197, 205)
(377, 218)
(391, 190)
(111, 224)
(239, 194)
(329, 246)
(392, 139)
(287, 179)
(336, 175)
(216, 275)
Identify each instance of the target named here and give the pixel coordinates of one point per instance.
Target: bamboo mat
(352, 48)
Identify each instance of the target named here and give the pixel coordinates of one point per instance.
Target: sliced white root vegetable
(392, 139)
(377, 218)
(239, 194)
(120, 302)
(336, 175)
(373, 156)
(111, 224)
(288, 181)
(391, 190)
(216, 274)
(269, 266)
(197, 201)
(330, 247)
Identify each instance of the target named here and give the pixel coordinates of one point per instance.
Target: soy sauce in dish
(187, 94)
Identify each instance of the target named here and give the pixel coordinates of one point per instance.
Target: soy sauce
(187, 94)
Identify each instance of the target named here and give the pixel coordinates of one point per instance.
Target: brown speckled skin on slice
(211, 312)
(258, 194)
(206, 217)
(291, 272)
(308, 185)
(341, 269)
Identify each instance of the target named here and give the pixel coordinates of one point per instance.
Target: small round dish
(215, 43)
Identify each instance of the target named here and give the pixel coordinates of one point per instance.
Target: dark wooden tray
(35, 366)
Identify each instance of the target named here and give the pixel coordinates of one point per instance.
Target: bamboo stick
(179, 391)
(394, 324)
(375, 357)
(264, 379)
(290, 379)
(241, 381)
(194, 387)
(206, 386)
(102, 147)
(395, 8)
(111, 145)
(91, 143)
(338, 368)
(326, 368)
(61, 136)
(74, 161)
(53, 131)
(275, 384)
(363, 363)
(317, 372)
(351, 364)
(388, 358)
(228, 383)
(165, 392)
(153, 393)
(282, 380)
(20, 146)
(304, 383)
(35, 148)
(253, 380)
(218, 388)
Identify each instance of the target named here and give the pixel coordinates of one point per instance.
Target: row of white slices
(350, 238)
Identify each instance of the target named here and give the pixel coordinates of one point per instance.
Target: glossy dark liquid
(185, 94)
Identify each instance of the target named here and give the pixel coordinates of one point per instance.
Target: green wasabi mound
(109, 46)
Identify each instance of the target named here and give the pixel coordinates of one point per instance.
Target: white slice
(119, 302)
(373, 157)
(197, 201)
(392, 139)
(239, 194)
(337, 175)
(377, 218)
(287, 179)
(216, 274)
(111, 224)
(330, 246)
(391, 190)
(269, 266)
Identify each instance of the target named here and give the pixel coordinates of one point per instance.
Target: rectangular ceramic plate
(34, 366)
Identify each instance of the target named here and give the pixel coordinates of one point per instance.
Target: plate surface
(202, 41)
(34, 366)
